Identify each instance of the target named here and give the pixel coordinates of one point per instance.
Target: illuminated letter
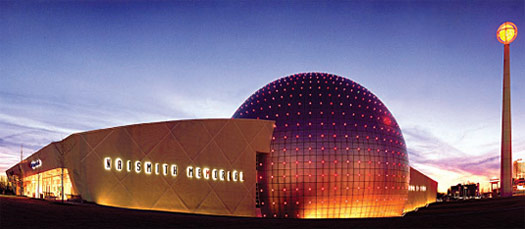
(214, 174)
(198, 172)
(118, 164)
(107, 163)
(241, 176)
(189, 172)
(137, 166)
(229, 176)
(165, 169)
(206, 173)
(222, 174)
(173, 170)
(148, 167)
(234, 175)
(157, 169)
(129, 166)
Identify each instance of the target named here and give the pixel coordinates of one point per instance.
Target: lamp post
(506, 34)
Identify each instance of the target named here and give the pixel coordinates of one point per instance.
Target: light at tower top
(507, 32)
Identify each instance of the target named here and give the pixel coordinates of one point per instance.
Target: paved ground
(18, 212)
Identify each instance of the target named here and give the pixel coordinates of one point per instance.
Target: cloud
(196, 106)
(9, 158)
(27, 123)
(424, 146)
(34, 121)
(447, 164)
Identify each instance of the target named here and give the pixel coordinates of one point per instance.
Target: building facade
(422, 191)
(464, 191)
(518, 169)
(310, 145)
(192, 166)
(336, 151)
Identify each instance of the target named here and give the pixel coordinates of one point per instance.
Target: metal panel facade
(336, 152)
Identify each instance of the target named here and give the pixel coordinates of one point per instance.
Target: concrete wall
(222, 144)
(422, 191)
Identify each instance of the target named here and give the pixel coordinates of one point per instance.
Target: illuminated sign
(164, 169)
(417, 188)
(35, 164)
(146, 167)
(215, 174)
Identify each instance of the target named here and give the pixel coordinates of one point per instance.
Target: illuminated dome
(336, 152)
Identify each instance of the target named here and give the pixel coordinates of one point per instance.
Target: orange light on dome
(507, 32)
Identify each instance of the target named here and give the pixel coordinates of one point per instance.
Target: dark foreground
(17, 212)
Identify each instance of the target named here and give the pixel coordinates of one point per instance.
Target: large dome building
(336, 150)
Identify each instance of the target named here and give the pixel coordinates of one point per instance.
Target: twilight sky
(68, 67)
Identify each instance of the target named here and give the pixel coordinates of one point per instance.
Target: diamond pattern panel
(248, 129)
(169, 201)
(231, 140)
(76, 143)
(192, 136)
(213, 205)
(264, 135)
(148, 136)
(192, 191)
(222, 189)
(220, 144)
(214, 126)
(99, 182)
(119, 194)
(246, 157)
(93, 138)
(119, 144)
(170, 151)
(145, 189)
(217, 158)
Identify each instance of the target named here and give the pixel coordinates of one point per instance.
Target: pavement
(22, 212)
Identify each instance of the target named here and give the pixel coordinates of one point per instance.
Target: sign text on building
(193, 172)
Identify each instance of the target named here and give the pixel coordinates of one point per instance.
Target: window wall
(48, 185)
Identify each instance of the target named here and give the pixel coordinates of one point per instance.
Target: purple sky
(67, 67)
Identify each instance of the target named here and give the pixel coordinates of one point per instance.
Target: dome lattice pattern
(336, 152)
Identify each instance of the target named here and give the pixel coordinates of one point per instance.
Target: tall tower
(506, 34)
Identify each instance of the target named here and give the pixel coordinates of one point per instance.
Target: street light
(506, 34)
